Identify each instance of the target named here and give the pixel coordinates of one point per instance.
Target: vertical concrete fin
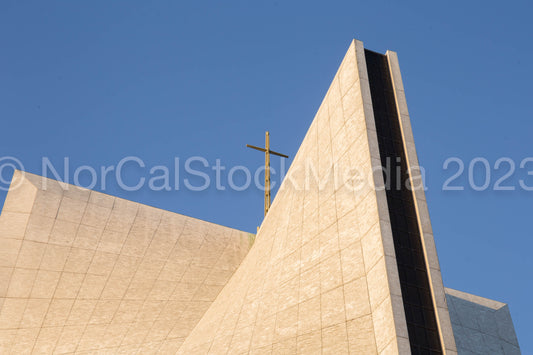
(422, 213)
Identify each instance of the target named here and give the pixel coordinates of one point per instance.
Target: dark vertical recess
(419, 310)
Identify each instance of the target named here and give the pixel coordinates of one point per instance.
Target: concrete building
(344, 261)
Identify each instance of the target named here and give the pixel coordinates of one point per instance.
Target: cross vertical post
(267, 172)
(267, 152)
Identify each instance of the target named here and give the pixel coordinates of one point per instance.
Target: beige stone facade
(322, 274)
(84, 272)
(81, 271)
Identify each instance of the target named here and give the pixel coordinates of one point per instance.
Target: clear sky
(97, 81)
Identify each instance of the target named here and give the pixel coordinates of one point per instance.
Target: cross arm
(279, 154)
(264, 150)
(254, 147)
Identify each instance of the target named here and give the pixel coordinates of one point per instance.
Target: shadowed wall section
(480, 325)
(84, 271)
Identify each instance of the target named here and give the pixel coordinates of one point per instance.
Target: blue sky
(97, 81)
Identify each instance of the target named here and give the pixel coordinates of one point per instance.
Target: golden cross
(267, 167)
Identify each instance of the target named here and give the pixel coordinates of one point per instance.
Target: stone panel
(84, 271)
(480, 325)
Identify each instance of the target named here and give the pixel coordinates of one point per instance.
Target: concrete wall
(82, 271)
(481, 326)
(321, 276)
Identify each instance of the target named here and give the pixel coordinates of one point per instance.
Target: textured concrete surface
(322, 275)
(481, 326)
(83, 271)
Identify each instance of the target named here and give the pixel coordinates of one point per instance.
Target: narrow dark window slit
(414, 279)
